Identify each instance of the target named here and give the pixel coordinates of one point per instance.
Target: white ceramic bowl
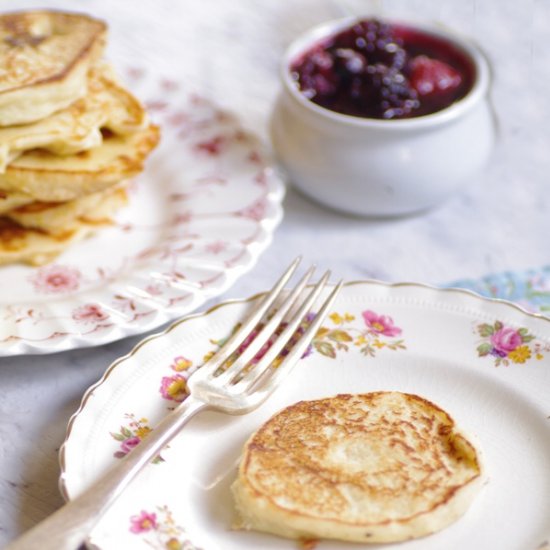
(373, 167)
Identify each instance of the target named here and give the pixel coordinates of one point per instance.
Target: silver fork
(234, 381)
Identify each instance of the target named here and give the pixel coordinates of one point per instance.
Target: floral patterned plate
(486, 362)
(199, 216)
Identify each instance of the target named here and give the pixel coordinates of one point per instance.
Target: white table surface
(229, 51)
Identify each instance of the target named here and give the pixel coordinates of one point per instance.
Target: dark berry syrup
(380, 70)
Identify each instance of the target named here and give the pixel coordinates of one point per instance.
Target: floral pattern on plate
(379, 331)
(159, 530)
(198, 217)
(427, 343)
(174, 386)
(509, 345)
(131, 434)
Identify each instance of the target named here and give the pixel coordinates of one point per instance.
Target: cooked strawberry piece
(429, 76)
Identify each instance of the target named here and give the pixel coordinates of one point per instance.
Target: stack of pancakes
(70, 134)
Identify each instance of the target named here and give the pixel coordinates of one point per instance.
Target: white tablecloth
(229, 51)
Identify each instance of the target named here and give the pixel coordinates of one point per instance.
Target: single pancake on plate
(107, 105)
(45, 57)
(374, 467)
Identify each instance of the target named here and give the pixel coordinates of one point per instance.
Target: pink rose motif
(127, 445)
(174, 388)
(380, 324)
(506, 340)
(145, 521)
(89, 313)
(56, 279)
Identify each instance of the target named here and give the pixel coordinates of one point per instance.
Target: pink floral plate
(486, 362)
(199, 216)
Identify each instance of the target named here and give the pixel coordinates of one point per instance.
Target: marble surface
(229, 51)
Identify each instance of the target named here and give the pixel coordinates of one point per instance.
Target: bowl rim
(466, 45)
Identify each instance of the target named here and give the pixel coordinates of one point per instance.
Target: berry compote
(375, 69)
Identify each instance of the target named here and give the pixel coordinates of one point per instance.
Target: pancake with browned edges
(45, 57)
(37, 233)
(71, 135)
(33, 246)
(107, 105)
(49, 177)
(11, 199)
(375, 467)
(56, 218)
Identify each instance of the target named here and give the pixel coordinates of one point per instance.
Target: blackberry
(368, 70)
(380, 44)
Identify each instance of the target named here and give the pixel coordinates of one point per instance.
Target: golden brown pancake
(38, 232)
(70, 134)
(375, 467)
(44, 60)
(52, 178)
(10, 200)
(57, 218)
(35, 247)
(107, 105)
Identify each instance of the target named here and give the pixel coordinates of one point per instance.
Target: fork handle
(69, 526)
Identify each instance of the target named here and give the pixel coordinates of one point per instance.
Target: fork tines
(277, 332)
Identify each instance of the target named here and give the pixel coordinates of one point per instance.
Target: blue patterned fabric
(530, 289)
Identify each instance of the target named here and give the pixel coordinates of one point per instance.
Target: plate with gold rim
(198, 218)
(486, 362)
